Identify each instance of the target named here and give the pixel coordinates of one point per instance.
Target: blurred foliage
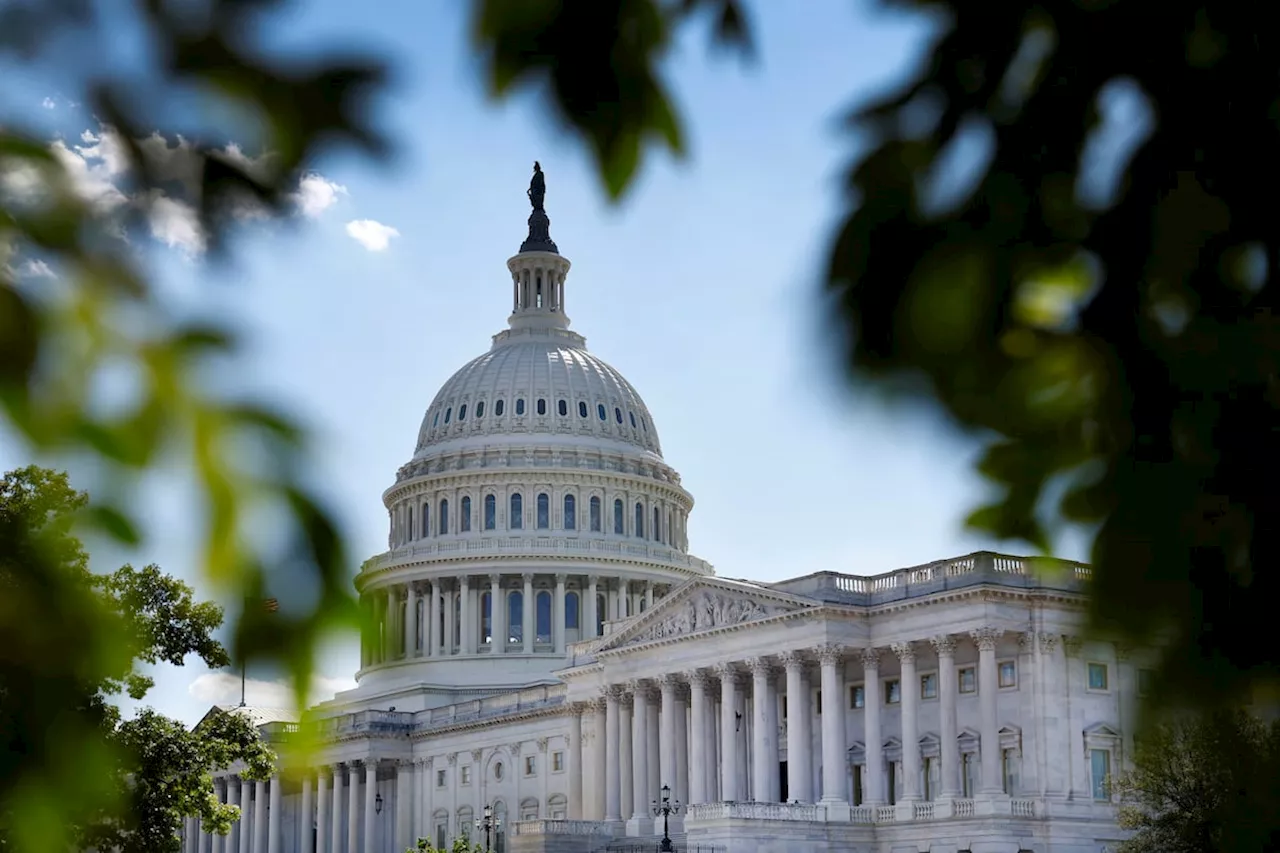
(461, 844)
(1205, 783)
(1098, 312)
(73, 770)
(98, 312)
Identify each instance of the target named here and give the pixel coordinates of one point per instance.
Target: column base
(640, 825)
(838, 811)
(992, 803)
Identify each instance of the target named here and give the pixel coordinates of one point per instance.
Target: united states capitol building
(544, 646)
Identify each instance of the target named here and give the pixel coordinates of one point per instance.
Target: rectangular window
(893, 782)
(1008, 673)
(1100, 773)
(926, 772)
(464, 774)
(968, 679)
(1097, 676)
(858, 771)
(557, 762)
(817, 702)
(442, 830)
(929, 686)
(1010, 767)
(892, 691)
(530, 765)
(969, 774)
(440, 778)
(1146, 680)
(857, 696)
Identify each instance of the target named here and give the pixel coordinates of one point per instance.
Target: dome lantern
(538, 271)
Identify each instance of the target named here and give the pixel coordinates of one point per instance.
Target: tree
(148, 772)
(1100, 312)
(1208, 782)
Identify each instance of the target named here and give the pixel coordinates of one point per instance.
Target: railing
(922, 811)
(561, 545)
(959, 569)
(962, 808)
(1023, 808)
(863, 814)
(886, 814)
(560, 827)
(758, 811)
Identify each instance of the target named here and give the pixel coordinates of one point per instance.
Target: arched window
(563, 407)
(435, 422)
(544, 511)
(515, 615)
(632, 415)
(420, 617)
(571, 610)
(602, 610)
(440, 828)
(617, 414)
(409, 518)
(671, 536)
(426, 520)
(639, 520)
(644, 424)
(464, 517)
(520, 406)
(490, 512)
(557, 807)
(542, 406)
(498, 408)
(516, 521)
(657, 524)
(486, 617)
(617, 517)
(442, 519)
(543, 615)
(448, 413)
(480, 412)
(462, 412)
(599, 411)
(457, 621)
(595, 514)
(582, 409)
(465, 818)
(500, 825)
(570, 513)
(528, 809)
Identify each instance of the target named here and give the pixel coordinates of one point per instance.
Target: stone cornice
(503, 477)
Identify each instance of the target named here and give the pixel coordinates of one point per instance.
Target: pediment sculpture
(703, 611)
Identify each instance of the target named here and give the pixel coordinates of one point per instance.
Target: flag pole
(242, 669)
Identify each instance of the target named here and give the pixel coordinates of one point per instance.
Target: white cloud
(223, 688)
(92, 181)
(48, 103)
(374, 236)
(316, 194)
(36, 268)
(175, 223)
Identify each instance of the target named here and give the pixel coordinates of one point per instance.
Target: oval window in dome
(448, 413)
(480, 411)
(582, 409)
(497, 770)
(631, 414)
(520, 406)
(462, 412)
(563, 407)
(644, 424)
(542, 406)
(599, 411)
(498, 408)
(617, 414)
(435, 422)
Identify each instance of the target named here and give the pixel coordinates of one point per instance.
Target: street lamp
(666, 808)
(377, 804)
(488, 824)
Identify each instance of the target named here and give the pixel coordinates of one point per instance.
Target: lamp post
(488, 824)
(666, 808)
(377, 804)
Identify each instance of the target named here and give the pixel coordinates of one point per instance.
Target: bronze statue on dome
(537, 187)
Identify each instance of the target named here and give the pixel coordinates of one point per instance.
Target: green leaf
(113, 522)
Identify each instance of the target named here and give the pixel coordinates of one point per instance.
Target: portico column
(526, 614)
(273, 816)
(612, 749)
(874, 782)
(232, 843)
(640, 759)
(411, 621)
(557, 613)
(667, 732)
(600, 756)
(465, 616)
(799, 757)
(335, 824)
(260, 816)
(728, 732)
(370, 803)
(648, 595)
(574, 758)
(945, 646)
(219, 793)
(307, 809)
(910, 695)
(388, 624)
(834, 748)
(986, 638)
(246, 815)
(497, 616)
(699, 736)
(433, 643)
(322, 811)
(353, 807)
(592, 615)
(404, 804)
(765, 763)
(682, 745)
(625, 752)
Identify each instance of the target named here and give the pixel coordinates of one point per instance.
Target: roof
(258, 716)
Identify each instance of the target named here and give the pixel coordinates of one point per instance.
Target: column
(497, 615)
(625, 754)
(467, 617)
(873, 785)
(307, 811)
(557, 614)
(527, 625)
(434, 621)
(322, 812)
(652, 740)
(799, 757)
(389, 620)
(765, 757)
(667, 746)
(353, 807)
(592, 616)
(771, 720)
(232, 844)
(648, 596)
(948, 691)
(728, 732)
(215, 840)
(640, 760)
(411, 621)
(573, 756)
(246, 815)
(986, 638)
(910, 710)
(682, 746)
(335, 828)
(834, 748)
(260, 816)
(404, 804)
(273, 816)
(600, 755)
(370, 798)
(421, 809)
(612, 748)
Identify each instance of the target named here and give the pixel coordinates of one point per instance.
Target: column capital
(870, 659)
(727, 672)
(1027, 642)
(668, 681)
(575, 709)
(1071, 645)
(597, 705)
(561, 577)
(792, 660)
(760, 666)
(611, 691)
(513, 749)
(1123, 651)
(830, 654)
(542, 746)
(527, 577)
(697, 677)
(1047, 642)
(905, 651)
(985, 638)
(495, 577)
(404, 764)
(451, 759)
(944, 645)
(626, 700)
(641, 687)
(427, 763)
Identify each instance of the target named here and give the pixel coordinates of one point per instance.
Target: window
(563, 407)
(582, 409)
(617, 414)
(435, 422)
(639, 521)
(600, 411)
(542, 406)
(1007, 673)
(557, 762)
(443, 518)
(571, 610)
(520, 406)
(644, 424)
(486, 616)
(1100, 773)
(440, 778)
(1010, 767)
(857, 696)
(480, 409)
(1146, 680)
(442, 829)
(632, 415)
(617, 516)
(409, 521)
(448, 413)
(515, 616)
(426, 520)
(542, 617)
(498, 770)
(530, 765)
(931, 774)
(1097, 676)
(570, 512)
(602, 610)
(657, 525)
(929, 686)
(462, 412)
(895, 782)
(968, 678)
(490, 512)
(544, 511)
(969, 774)
(859, 770)
(464, 774)
(464, 520)
(892, 691)
(817, 702)
(594, 512)
(516, 521)
(498, 408)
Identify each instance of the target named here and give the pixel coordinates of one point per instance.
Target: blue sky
(702, 287)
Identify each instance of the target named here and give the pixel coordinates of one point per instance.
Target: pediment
(704, 605)
(1101, 730)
